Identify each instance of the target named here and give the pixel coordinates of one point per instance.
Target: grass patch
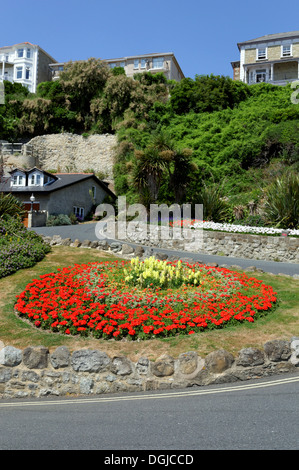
(281, 323)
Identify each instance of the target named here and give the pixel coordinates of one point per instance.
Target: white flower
(243, 228)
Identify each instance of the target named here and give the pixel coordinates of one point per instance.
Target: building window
(143, 63)
(136, 63)
(28, 53)
(27, 73)
(261, 53)
(19, 72)
(35, 179)
(93, 192)
(20, 52)
(158, 63)
(112, 66)
(260, 76)
(79, 212)
(17, 180)
(286, 51)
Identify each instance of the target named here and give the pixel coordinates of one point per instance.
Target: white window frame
(260, 55)
(20, 53)
(136, 64)
(143, 63)
(19, 70)
(18, 180)
(27, 73)
(35, 179)
(283, 53)
(158, 62)
(261, 72)
(28, 53)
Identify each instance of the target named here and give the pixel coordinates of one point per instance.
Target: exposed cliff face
(75, 153)
(69, 153)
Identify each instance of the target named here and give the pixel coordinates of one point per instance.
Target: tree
(207, 93)
(161, 161)
(82, 81)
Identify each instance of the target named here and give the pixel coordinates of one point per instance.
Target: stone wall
(127, 250)
(35, 372)
(236, 245)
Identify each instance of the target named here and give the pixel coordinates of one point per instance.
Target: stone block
(10, 356)
(249, 357)
(278, 350)
(164, 366)
(218, 361)
(121, 366)
(36, 357)
(188, 362)
(87, 360)
(60, 357)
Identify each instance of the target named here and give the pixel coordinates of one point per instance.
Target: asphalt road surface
(258, 414)
(87, 232)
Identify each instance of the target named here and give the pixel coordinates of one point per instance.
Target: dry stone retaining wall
(236, 245)
(127, 250)
(35, 372)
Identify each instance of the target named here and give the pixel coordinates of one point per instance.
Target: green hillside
(208, 139)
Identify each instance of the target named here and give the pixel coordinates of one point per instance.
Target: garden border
(35, 372)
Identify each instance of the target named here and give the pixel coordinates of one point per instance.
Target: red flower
(93, 299)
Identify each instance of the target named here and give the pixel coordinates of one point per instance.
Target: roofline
(137, 56)
(49, 189)
(269, 38)
(29, 43)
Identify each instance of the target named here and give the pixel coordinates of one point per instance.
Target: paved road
(253, 415)
(87, 232)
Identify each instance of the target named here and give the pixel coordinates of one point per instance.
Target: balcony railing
(272, 82)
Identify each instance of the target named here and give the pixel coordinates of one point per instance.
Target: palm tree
(147, 174)
(161, 157)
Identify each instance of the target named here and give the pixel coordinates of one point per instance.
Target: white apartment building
(25, 63)
(273, 58)
(153, 63)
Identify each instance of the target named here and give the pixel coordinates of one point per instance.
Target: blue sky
(202, 35)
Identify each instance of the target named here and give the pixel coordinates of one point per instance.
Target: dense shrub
(19, 248)
(282, 202)
(58, 219)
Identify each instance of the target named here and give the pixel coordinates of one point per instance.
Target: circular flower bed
(142, 300)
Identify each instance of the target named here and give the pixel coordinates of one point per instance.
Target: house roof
(270, 37)
(62, 180)
(30, 44)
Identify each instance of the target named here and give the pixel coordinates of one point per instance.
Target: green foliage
(282, 201)
(10, 206)
(11, 111)
(19, 248)
(58, 219)
(215, 205)
(207, 94)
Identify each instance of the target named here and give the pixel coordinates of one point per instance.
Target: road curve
(87, 232)
(260, 414)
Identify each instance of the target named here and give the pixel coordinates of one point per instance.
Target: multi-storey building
(273, 58)
(25, 63)
(154, 63)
